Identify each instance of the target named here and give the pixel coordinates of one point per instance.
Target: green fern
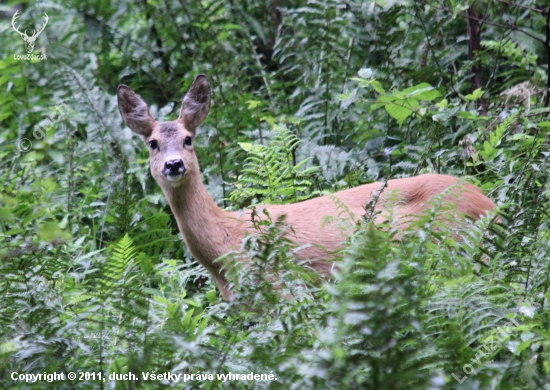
(270, 174)
(512, 52)
(123, 253)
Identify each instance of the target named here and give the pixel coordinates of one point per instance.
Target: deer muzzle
(173, 169)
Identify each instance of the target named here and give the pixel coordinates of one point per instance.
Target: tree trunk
(474, 47)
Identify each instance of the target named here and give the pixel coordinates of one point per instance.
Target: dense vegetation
(308, 97)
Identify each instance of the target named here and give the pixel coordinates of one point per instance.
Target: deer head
(172, 156)
(29, 41)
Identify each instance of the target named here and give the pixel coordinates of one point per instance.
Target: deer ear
(196, 104)
(134, 111)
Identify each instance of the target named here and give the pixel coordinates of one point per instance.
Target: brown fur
(210, 232)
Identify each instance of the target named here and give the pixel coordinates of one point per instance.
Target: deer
(211, 232)
(29, 41)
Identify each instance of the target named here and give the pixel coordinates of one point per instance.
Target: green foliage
(379, 338)
(402, 104)
(270, 173)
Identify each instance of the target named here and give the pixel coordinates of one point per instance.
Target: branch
(510, 27)
(520, 6)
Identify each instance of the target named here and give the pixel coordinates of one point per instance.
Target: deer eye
(153, 144)
(188, 141)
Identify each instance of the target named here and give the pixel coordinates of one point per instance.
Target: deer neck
(204, 226)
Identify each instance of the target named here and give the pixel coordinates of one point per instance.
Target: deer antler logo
(29, 41)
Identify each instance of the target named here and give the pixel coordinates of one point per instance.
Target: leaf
(428, 95)
(377, 86)
(442, 104)
(475, 95)
(527, 310)
(253, 104)
(522, 347)
(211, 296)
(232, 26)
(268, 119)
(145, 263)
(423, 92)
(50, 231)
(402, 112)
(442, 116)
(459, 8)
(246, 146)
(5, 214)
(191, 302)
(525, 336)
(366, 73)
(470, 115)
(187, 318)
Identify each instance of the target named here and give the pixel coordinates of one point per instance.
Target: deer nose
(174, 167)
